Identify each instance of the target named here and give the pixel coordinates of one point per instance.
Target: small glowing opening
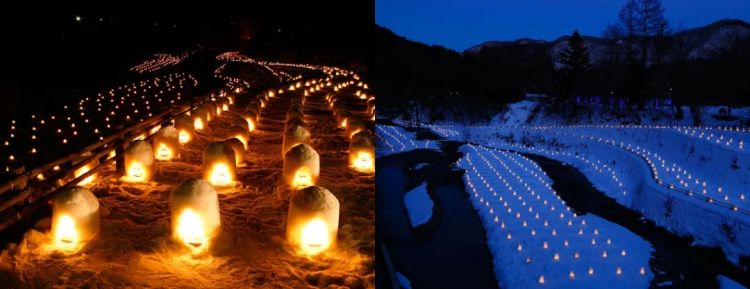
(164, 153)
(315, 237)
(184, 137)
(302, 178)
(65, 232)
(136, 172)
(220, 174)
(198, 124)
(190, 230)
(363, 162)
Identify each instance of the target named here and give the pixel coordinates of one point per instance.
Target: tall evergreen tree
(574, 61)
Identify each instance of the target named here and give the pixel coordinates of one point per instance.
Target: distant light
(78, 18)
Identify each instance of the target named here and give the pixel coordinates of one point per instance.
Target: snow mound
(418, 205)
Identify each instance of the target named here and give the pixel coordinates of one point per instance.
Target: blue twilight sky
(460, 24)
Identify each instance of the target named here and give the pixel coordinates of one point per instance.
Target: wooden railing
(37, 186)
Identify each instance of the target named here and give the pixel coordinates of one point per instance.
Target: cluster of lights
(526, 216)
(392, 139)
(93, 117)
(668, 174)
(159, 61)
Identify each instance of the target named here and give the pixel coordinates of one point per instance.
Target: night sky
(460, 24)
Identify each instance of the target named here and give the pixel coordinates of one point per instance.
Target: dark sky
(47, 53)
(460, 24)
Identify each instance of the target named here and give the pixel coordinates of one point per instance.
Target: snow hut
(294, 135)
(219, 166)
(301, 166)
(196, 219)
(139, 162)
(362, 154)
(75, 217)
(184, 126)
(166, 144)
(313, 220)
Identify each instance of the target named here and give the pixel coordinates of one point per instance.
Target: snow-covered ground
(535, 240)
(693, 181)
(134, 248)
(419, 205)
(393, 139)
(726, 283)
(652, 170)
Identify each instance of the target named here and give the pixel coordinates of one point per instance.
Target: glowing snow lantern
(139, 162)
(166, 144)
(313, 220)
(195, 214)
(293, 136)
(252, 119)
(185, 126)
(239, 133)
(75, 217)
(355, 125)
(85, 168)
(362, 153)
(219, 165)
(239, 149)
(301, 166)
(200, 117)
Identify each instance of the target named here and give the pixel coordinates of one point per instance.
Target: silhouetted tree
(574, 61)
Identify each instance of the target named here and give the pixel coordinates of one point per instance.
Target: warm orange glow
(164, 153)
(65, 234)
(242, 139)
(184, 137)
(220, 175)
(315, 237)
(302, 178)
(343, 123)
(190, 230)
(135, 172)
(251, 124)
(225, 107)
(198, 124)
(364, 162)
(82, 170)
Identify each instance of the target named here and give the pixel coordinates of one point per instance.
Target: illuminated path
(134, 246)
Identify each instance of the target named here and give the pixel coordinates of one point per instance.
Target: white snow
(693, 181)
(535, 240)
(516, 113)
(419, 205)
(651, 170)
(726, 283)
(402, 281)
(393, 139)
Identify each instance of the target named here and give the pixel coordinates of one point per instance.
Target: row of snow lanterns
(485, 183)
(75, 210)
(75, 118)
(684, 181)
(312, 220)
(361, 139)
